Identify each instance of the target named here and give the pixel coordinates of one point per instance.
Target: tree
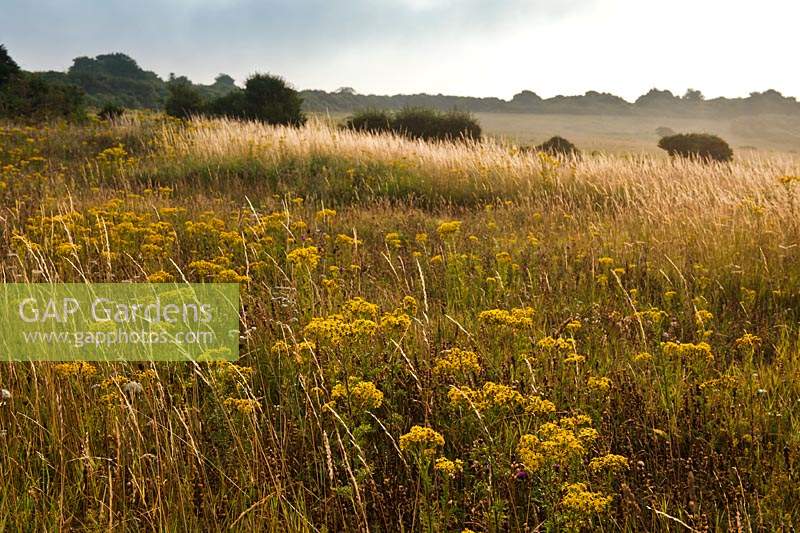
(231, 105)
(693, 95)
(270, 99)
(224, 79)
(697, 146)
(8, 67)
(183, 101)
(29, 97)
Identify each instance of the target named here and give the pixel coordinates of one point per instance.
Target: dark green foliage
(370, 120)
(418, 123)
(265, 98)
(458, 125)
(429, 124)
(8, 67)
(111, 111)
(697, 146)
(29, 97)
(117, 78)
(184, 101)
(557, 146)
(232, 105)
(270, 99)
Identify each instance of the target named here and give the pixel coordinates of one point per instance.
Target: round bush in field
(557, 146)
(371, 120)
(697, 146)
(270, 99)
(430, 124)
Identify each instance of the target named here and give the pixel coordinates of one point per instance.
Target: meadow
(621, 134)
(434, 336)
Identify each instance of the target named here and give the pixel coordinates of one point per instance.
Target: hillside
(118, 78)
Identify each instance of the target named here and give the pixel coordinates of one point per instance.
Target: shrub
(422, 123)
(184, 101)
(370, 120)
(455, 124)
(111, 112)
(697, 146)
(265, 98)
(557, 146)
(232, 105)
(270, 99)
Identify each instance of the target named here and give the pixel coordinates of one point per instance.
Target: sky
(462, 47)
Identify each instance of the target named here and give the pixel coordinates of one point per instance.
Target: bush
(232, 105)
(370, 120)
(265, 98)
(557, 146)
(270, 99)
(459, 124)
(429, 124)
(697, 146)
(111, 112)
(184, 101)
(418, 123)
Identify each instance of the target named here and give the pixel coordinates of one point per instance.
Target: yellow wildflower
(304, 257)
(448, 228)
(421, 440)
(609, 463)
(581, 501)
(599, 384)
(447, 467)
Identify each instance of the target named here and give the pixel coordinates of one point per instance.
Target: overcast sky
(463, 47)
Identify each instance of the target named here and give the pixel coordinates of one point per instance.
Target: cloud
(191, 31)
(471, 47)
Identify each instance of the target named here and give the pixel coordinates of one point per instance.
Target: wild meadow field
(622, 134)
(434, 336)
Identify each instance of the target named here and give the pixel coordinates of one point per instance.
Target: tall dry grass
(657, 298)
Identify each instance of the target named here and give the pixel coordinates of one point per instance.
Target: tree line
(654, 103)
(118, 79)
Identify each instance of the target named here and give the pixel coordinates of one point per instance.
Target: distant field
(615, 133)
(637, 134)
